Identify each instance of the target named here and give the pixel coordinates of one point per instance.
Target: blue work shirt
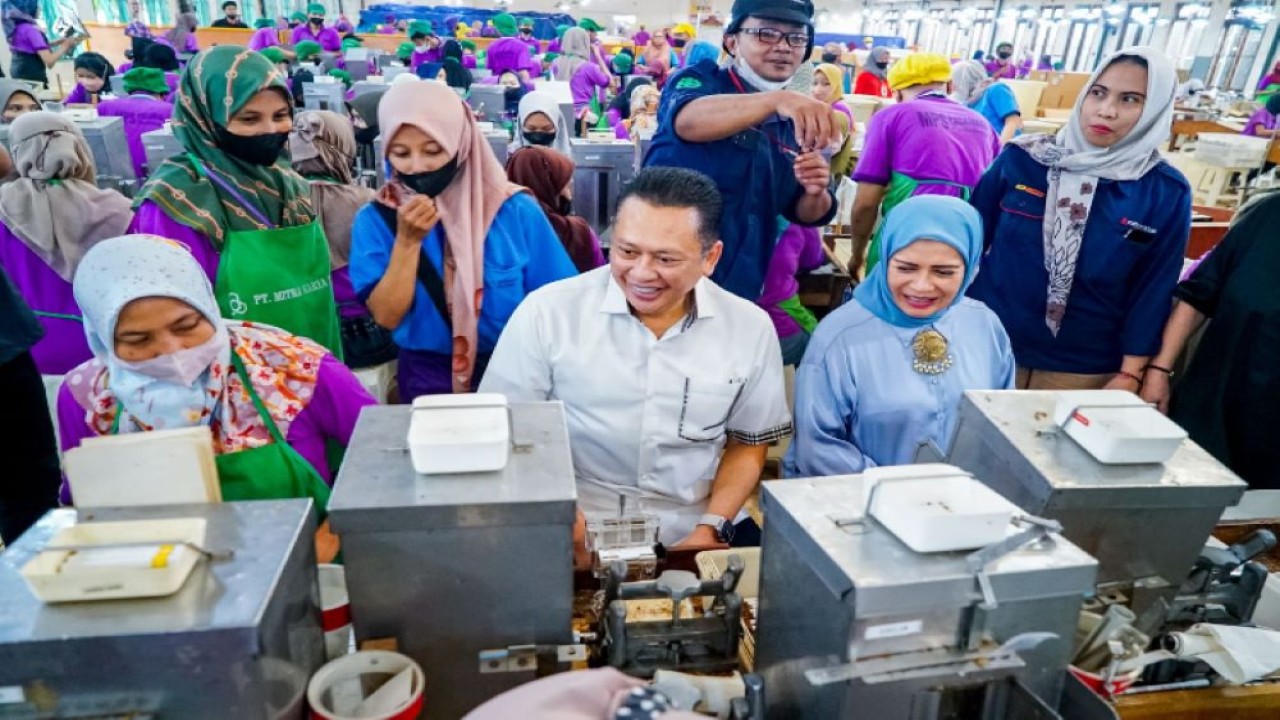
(996, 105)
(755, 176)
(521, 254)
(1127, 268)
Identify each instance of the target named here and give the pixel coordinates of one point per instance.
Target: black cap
(799, 12)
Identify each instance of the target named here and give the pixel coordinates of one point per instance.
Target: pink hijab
(467, 207)
(578, 695)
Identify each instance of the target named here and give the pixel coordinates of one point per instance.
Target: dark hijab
(546, 172)
(456, 75)
(162, 57)
(622, 103)
(98, 65)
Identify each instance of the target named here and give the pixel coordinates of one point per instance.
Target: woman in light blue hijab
(884, 374)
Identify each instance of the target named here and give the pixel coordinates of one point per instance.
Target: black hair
(1131, 60)
(230, 3)
(622, 103)
(456, 76)
(138, 51)
(162, 57)
(669, 187)
(98, 65)
(418, 36)
(451, 49)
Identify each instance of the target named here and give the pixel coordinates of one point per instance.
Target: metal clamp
(524, 658)
(978, 561)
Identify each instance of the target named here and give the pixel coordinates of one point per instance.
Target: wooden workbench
(1257, 702)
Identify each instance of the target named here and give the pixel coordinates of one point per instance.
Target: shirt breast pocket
(1023, 205)
(705, 408)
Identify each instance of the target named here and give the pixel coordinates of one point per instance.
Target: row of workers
(698, 370)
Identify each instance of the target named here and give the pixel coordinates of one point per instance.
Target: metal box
(325, 96)
(239, 640)
(453, 565)
(601, 171)
(160, 145)
(361, 87)
(106, 139)
(1146, 524)
(489, 101)
(834, 593)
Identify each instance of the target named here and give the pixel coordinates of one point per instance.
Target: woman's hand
(415, 219)
(1155, 389)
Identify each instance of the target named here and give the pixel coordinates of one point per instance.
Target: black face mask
(564, 205)
(253, 149)
(1004, 54)
(882, 65)
(539, 138)
(526, 31)
(433, 182)
(679, 42)
(830, 58)
(317, 21)
(366, 136)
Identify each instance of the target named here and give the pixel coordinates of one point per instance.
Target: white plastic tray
(103, 570)
(937, 508)
(1117, 427)
(459, 433)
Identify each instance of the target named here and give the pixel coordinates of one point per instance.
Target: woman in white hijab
(541, 123)
(1085, 232)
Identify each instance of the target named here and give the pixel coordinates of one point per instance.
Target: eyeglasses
(770, 36)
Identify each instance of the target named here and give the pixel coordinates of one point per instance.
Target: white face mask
(181, 368)
(753, 78)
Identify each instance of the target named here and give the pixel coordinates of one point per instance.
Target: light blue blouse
(860, 404)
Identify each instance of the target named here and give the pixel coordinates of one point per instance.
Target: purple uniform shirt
(424, 56)
(77, 95)
(264, 38)
(1260, 119)
(588, 82)
(64, 345)
(141, 114)
(28, 38)
(1002, 69)
(929, 138)
(150, 218)
(328, 38)
(641, 38)
(799, 250)
(332, 413)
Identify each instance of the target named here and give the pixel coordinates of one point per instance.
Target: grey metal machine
(160, 145)
(489, 100)
(360, 87)
(602, 169)
(854, 624)
(465, 572)
(239, 639)
(110, 147)
(1146, 524)
(325, 96)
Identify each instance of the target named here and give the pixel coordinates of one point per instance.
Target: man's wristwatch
(724, 528)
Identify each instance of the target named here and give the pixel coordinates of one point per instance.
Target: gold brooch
(930, 349)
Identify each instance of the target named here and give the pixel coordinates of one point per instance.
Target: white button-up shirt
(648, 417)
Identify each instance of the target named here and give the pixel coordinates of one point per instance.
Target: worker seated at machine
(673, 407)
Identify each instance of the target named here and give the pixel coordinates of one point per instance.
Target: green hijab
(217, 83)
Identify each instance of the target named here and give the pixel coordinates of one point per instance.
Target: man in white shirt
(672, 386)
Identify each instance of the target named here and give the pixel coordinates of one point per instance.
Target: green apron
(902, 187)
(271, 472)
(278, 276)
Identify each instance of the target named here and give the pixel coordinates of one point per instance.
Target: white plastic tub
(459, 433)
(1116, 427)
(367, 685)
(938, 508)
(116, 560)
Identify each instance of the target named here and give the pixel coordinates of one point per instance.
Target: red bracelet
(1131, 376)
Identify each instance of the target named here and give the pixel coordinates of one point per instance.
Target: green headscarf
(590, 25)
(623, 64)
(351, 41)
(307, 49)
(217, 83)
(420, 26)
(263, 23)
(317, 9)
(274, 54)
(468, 45)
(405, 51)
(147, 79)
(505, 25)
(342, 75)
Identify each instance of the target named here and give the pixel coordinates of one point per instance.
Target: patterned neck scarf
(216, 85)
(1075, 167)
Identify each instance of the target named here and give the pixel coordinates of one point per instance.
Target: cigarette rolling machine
(238, 639)
(471, 574)
(601, 171)
(853, 623)
(1145, 523)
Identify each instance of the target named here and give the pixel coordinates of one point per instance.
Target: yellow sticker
(161, 559)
